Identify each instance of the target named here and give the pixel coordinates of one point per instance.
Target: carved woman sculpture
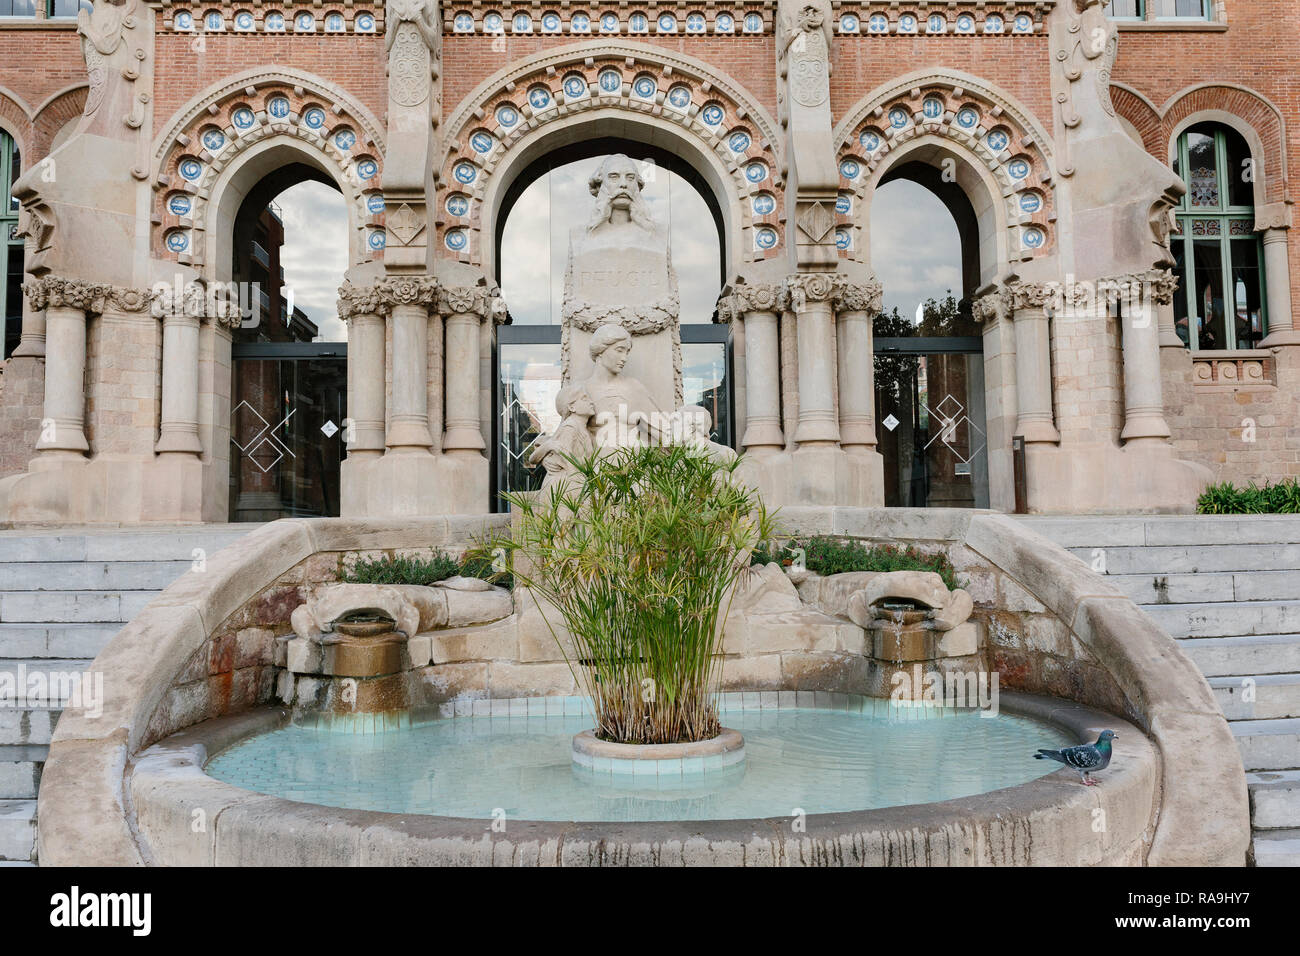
(622, 403)
(571, 440)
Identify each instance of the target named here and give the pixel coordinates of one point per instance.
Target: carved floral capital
(57, 292)
(859, 296)
(809, 287)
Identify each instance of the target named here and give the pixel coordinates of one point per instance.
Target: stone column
(1277, 278)
(65, 303)
(178, 431)
(759, 305)
(1140, 297)
(408, 299)
(856, 304)
(360, 308)
(462, 310)
(810, 300)
(32, 341)
(1029, 305)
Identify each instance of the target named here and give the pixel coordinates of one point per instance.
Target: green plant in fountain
(639, 553)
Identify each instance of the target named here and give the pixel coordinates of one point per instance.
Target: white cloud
(915, 246)
(315, 252)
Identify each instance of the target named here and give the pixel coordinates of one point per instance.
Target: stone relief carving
(804, 48)
(115, 39)
(619, 269)
(859, 296)
(58, 292)
(465, 300)
(411, 40)
(991, 307)
(1091, 45)
(809, 287)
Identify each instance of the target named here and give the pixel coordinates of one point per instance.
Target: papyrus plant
(639, 553)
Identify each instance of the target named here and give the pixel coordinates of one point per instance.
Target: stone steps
(17, 830)
(20, 770)
(1277, 848)
(63, 595)
(91, 576)
(1228, 589)
(1268, 744)
(1249, 654)
(1275, 799)
(1263, 697)
(1210, 587)
(1227, 619)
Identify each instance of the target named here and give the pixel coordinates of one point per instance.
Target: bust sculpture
(620, 273)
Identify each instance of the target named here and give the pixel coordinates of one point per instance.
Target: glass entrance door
(930, 422)
(287, 430)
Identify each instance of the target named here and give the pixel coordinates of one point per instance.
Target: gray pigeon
(1085, 758)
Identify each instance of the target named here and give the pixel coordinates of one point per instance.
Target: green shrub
(829, 555)
(637, 554)
(1226, 498)
(430, 570)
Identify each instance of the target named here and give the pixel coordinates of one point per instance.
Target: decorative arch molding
(306, 118)
(58, 110)
(597, 88)
(1260, 122)
(16, 119)
(1005, 143)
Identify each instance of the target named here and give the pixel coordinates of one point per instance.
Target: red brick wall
(352, 62)
(1018, 65)
(750, 61)
(35, 64)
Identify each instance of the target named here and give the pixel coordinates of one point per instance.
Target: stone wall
(1243, 433)
(22, 404)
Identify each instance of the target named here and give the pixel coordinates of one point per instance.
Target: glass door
(930, 422)
(287, 430)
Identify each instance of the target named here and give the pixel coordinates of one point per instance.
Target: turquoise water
(820, 761)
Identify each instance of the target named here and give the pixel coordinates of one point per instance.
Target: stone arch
(1259, 122)
(16, 120)
(223, 141)
(58, 110)
(1141, 113)
(998, 152)
(596, 89)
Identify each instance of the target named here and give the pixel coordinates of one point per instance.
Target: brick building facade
(1133, 371)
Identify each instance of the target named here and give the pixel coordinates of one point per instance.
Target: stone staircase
(63, 594)
(1228, 589)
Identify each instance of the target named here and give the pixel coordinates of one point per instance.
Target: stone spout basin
(909, 598)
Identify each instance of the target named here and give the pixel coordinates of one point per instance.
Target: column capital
(193, 300)
(477, 301)
(992, 307)
(393, 291)
(809, 287)
(58, 292)
(759, 297)
(865, 296)
(1023, 296)
(357, 300)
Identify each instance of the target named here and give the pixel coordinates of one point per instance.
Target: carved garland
(997, 136)
(195, 154)
(193, 299)
(742, 139)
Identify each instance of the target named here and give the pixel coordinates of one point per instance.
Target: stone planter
(659, 760)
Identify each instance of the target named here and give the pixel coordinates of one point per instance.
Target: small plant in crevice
(825, 554)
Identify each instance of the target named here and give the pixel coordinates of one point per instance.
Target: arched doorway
(929, 381)
(538, 210)
(289, 357)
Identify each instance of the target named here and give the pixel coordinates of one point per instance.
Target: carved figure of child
(571, 438)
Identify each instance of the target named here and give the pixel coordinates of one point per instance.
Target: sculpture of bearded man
(617, 185)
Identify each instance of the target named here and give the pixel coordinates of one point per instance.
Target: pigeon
(1085, 758)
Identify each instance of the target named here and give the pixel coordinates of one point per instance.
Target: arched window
(11, 279)
(1219, 255)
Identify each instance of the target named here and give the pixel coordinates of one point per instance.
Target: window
(1219, 255)
(1126, 9)
(17, 8)
(66, 8)
(11, 278)
(1183, 9)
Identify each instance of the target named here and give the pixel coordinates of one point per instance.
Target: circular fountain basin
(829, 778)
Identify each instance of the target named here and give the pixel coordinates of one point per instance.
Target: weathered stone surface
(490, 642)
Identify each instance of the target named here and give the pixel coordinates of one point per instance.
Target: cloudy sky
(915, 246)
(315, 253)
(535, 242)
